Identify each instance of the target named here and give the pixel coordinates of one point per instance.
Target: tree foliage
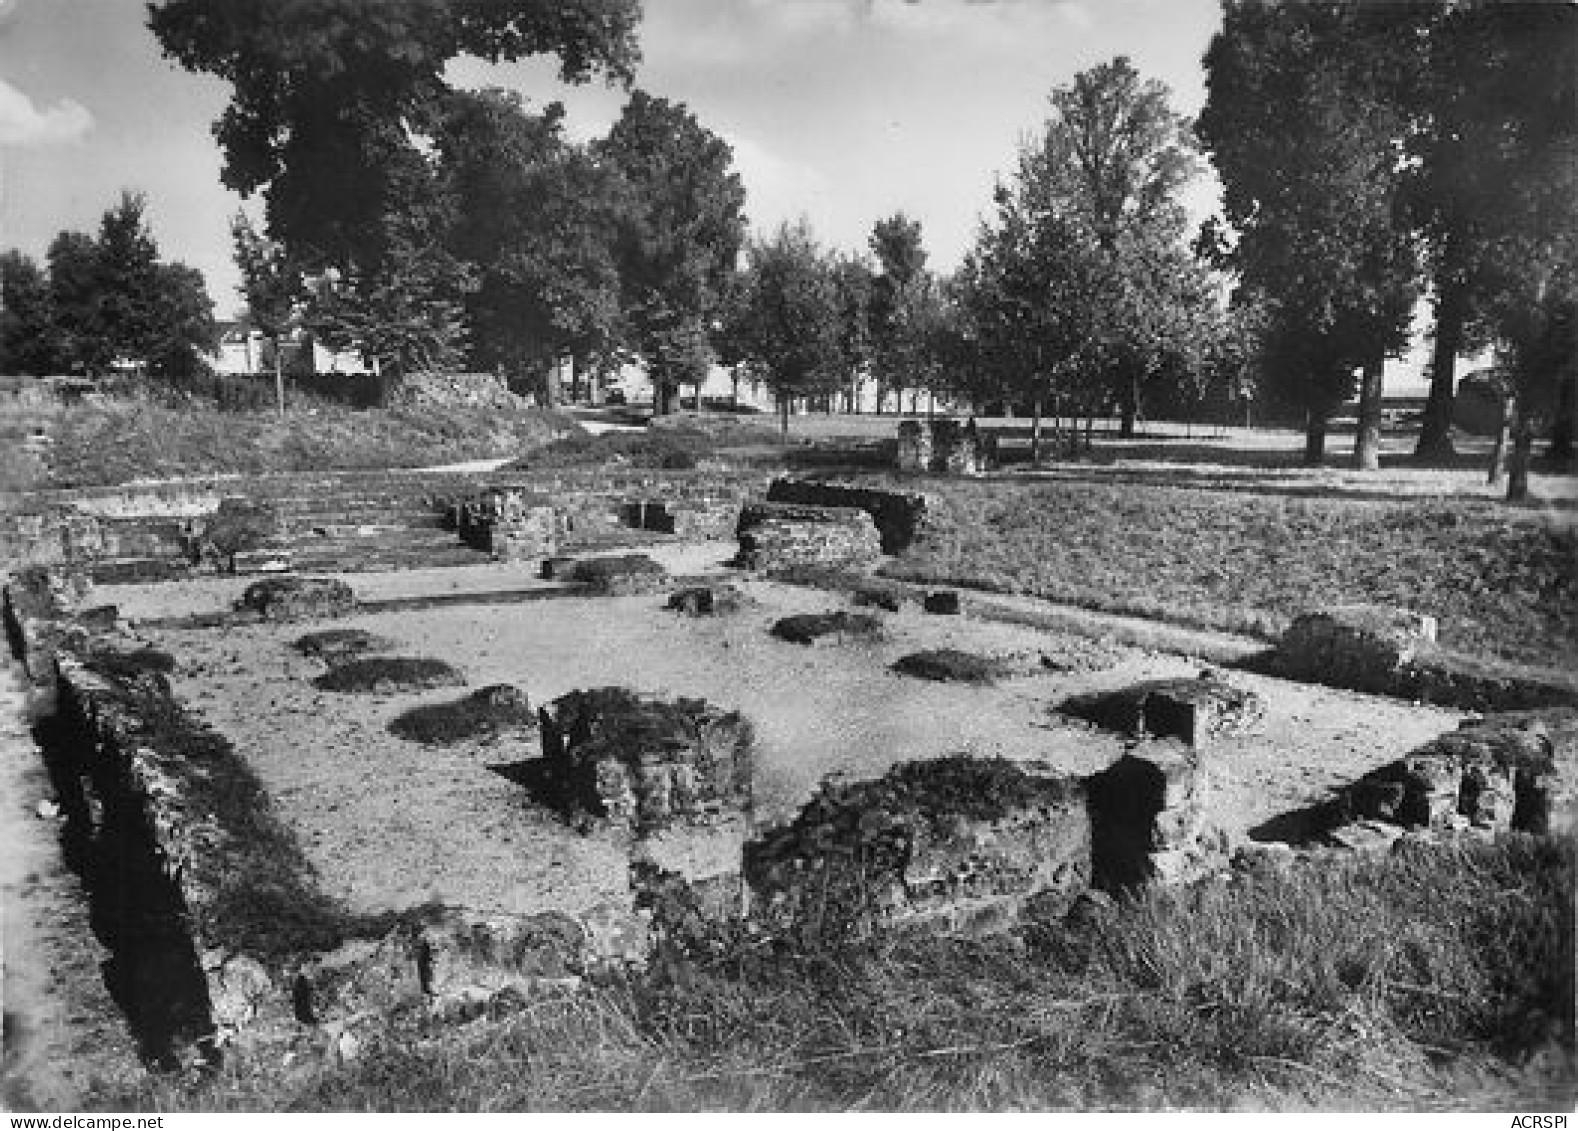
(327, 95)
(110, 297)
(1080, 289)
(678, 238)
(535, 216)
(28, 344)
(792, 326)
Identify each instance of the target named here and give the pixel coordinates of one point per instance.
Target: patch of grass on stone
(336, 645)
(485, 713)
(809, 628)
(390, 675)
(129, 665)
(950, 665)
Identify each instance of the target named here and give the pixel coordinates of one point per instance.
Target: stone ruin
(642, 763)
(1494, 774)
(511, 524)
(942, 445)
(297, 598)
(620, 575)
(779, 536)
(1364, 647)
(1194, 711)
(958, 842)
(899, 515)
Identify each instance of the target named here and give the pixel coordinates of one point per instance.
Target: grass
(123, 440)
(1437, 977)
(1498, 579)
(485, 713)
(387, 675)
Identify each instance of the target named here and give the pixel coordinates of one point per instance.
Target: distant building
(242, 349)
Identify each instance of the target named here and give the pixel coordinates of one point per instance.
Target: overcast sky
(842, 110)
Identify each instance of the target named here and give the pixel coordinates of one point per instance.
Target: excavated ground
(389, 823)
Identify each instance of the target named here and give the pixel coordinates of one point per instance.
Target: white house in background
(1408, 376)
(242, 349)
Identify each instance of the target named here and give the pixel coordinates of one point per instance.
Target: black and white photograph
(776, 556)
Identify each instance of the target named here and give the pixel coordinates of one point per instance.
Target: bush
(949, 665)
(336, 645)
(239, 525)
(808, 628)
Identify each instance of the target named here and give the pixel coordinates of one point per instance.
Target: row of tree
(1373, 153)
(104, 298)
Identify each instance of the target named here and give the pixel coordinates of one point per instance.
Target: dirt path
(62, 1032)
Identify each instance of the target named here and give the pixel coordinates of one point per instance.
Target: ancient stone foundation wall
(778, 536)
(1389, 651)
(898, 515)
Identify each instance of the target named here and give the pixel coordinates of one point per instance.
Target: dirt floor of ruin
(389, 823)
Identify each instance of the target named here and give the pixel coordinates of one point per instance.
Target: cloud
(777, 188)
(23, 123)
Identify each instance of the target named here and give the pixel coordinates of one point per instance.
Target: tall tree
(854, 283)
(792, 317)
(1305, 121)
(113, 298)
(28, 343)
(328, 97)
(902, 304)
(1494, 107)
(536, 217)
(679, 238)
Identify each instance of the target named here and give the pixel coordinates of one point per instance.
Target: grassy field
(1499, 579)
(122, 440)
(1426, 978)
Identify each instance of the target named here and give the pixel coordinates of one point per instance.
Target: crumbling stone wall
(1517, 770)
(1194, 711)
(779, 536)
(898, 515)
(641, 762)
(958, 842)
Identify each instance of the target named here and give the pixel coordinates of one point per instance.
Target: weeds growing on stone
(336, 645)
(950, 665)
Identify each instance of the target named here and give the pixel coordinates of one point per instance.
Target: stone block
(297, 598)
(961, 842)
(942, 602)
(1194, 711)
(778, 536)
(834, 627)
(621, 575)
(642, 762)
(707, 600)
(1152, 800)
(898, 515)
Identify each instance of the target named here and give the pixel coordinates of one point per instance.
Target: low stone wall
(1194, 711)
(898, 515)
(778, 536)
(1394, 652)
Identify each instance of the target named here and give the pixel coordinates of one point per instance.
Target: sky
(841, 111)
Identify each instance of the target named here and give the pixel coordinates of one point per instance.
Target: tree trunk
(1315, 436)
(1518, 465)
(279, 375)
(1496, 475)
(1367, 444)
(783, 418)
(1435, 434)
(734, 380)
(1130, 407)
(1035, 432)
(1561, 449)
